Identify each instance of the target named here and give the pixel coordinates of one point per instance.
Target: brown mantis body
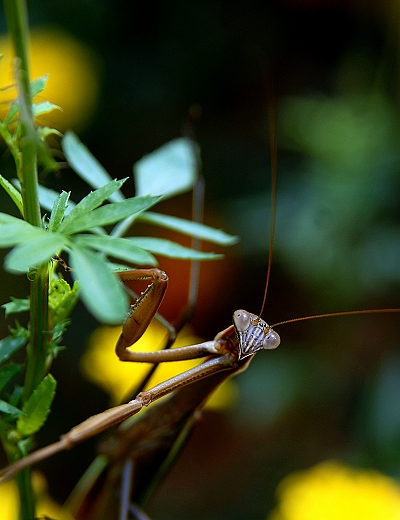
(230, 352)
(148, 442)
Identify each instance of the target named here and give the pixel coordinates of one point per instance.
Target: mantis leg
(100, 422)
(143, 310)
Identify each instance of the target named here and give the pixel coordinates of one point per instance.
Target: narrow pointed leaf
(161, 246)
(10, 345)
(37, 407)
(86, 165)
(121, 248)
(169, 170)
(12, 192)
(38, 85)
(33, 252)
(100, 288)
(108, 214)
(16, 305)
(92, 201)
(9, 408)
(47, 197)
(59, 207)
(188, 227)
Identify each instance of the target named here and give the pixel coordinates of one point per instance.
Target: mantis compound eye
(272, 340)
(241, 320)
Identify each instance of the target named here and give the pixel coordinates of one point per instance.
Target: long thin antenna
(273, 141)
(332, 314)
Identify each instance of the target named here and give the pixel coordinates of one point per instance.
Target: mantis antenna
(273, 141)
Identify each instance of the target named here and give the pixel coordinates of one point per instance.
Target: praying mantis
(230, 352)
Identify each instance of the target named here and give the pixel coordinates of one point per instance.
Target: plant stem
(26, 494)
(26, 162)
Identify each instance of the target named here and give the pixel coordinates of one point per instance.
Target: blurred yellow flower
(73, 81)
(46, 507)
(333, 491)
(101, 365)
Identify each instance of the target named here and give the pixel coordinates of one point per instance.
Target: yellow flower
(333, 491)
(101, 365)
(46, 507)
(73, 81)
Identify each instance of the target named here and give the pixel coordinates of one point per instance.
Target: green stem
(26, 494)
(26, 162)
(38, 326)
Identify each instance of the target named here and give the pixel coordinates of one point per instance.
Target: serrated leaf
(12, 192)
(86, 165)
(10, 345)
(47, 197)
(121, 248)
(58, 211)
(37, 407)
(161, 246)
(33, 252)
(100, 288)
(7, 373)
(91, 201)
(108, 214)
(16, 305)
(169, 170)
(188, 227)
(9, 408)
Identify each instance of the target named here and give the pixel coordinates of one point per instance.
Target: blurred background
(126, 79)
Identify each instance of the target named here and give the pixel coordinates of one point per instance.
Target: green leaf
(10, 345)
(13, 193)
(16, 305)
(86, 165)
(62, 299)
(108, 214)
(92, 201)
(169, 170)
(7, 373)
(9, 408)
(37, 407)
(47, 198)
(15, 230)
(161, 246)
(45, 131)
(121, 248)
(33, 252)
(38, 85)
(43, 108)
(58, 211)
(188, 227)
(101, 290)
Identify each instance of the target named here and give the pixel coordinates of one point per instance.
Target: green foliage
(89, 232)
(37, 407)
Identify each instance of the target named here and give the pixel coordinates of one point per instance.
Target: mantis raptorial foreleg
(231, 350)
